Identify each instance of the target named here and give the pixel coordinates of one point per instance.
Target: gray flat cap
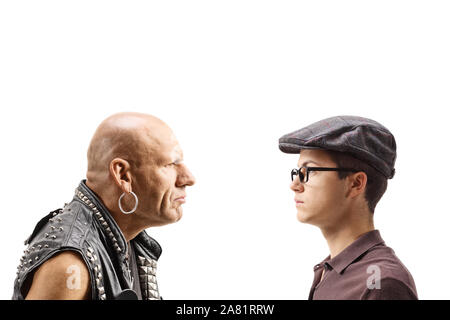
(363, 138)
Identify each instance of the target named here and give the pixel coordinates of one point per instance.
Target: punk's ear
(120, 172)
(358, 183)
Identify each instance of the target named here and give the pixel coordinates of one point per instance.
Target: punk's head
(139, 153)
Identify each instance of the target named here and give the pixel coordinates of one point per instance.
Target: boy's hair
(376, 182)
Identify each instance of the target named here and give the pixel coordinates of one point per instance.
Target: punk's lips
(180, 198)
(298, 201)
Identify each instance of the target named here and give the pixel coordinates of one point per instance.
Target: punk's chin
(177, 214)
(180, 215)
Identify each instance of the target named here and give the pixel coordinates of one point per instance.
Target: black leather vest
(84, 225)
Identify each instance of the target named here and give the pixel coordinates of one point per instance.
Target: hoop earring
(135, 206)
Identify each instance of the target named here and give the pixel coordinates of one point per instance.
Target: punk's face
(162, 182)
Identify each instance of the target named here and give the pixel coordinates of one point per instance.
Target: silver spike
(101, 290)
(46, 235)
(103, 297)
(141, 260)
(149, 262)
(143, 269)
(53, 237)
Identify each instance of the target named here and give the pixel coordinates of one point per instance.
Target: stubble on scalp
(134, 137)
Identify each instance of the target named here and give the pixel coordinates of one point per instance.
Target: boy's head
(343, 168)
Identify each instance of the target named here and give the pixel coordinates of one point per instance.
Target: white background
(229, 77)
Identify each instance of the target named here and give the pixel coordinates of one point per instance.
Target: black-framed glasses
(303, 172)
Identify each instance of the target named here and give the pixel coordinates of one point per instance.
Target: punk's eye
(175, 163)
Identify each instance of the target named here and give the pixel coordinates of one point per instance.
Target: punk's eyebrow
(309, 161)
(178, 160)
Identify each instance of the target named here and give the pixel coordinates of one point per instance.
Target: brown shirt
(365, 270)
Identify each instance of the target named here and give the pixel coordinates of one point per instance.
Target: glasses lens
(293, 174)
(301, 172)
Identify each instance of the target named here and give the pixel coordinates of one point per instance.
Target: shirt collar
(354, 250)
(110, 227)
(104, 217)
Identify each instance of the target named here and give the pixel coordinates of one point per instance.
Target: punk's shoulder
(63, 227)
(68, 228)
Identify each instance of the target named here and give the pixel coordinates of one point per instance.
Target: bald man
(96, 247)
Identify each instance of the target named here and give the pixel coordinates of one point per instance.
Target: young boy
(342, 173)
